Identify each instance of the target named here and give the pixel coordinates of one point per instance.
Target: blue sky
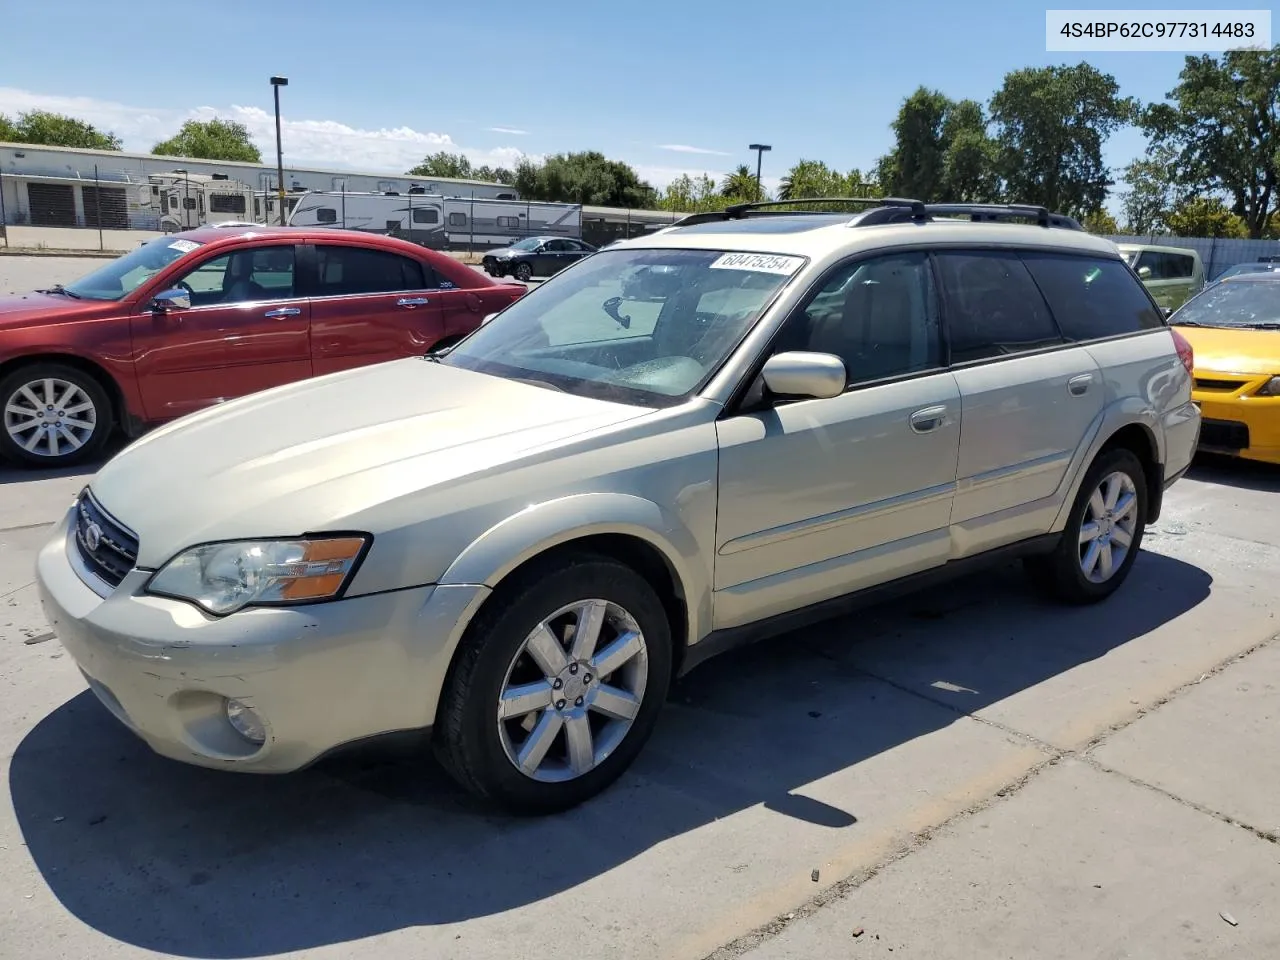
(378, 84)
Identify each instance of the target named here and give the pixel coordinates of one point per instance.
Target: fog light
(245, 722)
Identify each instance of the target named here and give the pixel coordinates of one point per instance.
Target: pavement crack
(18, 589)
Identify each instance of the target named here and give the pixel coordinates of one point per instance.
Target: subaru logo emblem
(93, 537)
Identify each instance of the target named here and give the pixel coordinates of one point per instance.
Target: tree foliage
(941, 151)
(686, 194)
(451, 166)
(55, 130)
(1101, 223)
(813, 178)
(586, 178)
(1205, 217)
(215, 139)
(1223, 123)
(1150, 192)
(1050, 125)
(740, 186)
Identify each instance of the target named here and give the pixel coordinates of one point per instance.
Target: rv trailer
(442, 223)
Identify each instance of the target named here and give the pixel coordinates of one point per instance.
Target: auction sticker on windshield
(759, 263)
(184, 246)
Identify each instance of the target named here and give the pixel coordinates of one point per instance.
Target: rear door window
(1092, 298)
(350, 271)
(993, 307)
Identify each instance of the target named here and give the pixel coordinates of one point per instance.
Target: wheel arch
(1126, 426)
(119, 412)
(629, 529)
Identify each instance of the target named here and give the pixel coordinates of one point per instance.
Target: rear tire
(522, 720)
(53, 415)
(1103, 533)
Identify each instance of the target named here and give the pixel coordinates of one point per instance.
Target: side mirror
(1167, 312)
(817, 376)
(175, 299)
(1144, 273)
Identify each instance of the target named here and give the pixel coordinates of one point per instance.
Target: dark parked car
(192, 319)
(535, 257)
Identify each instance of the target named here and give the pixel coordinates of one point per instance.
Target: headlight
(223, 577)
(1270, 389)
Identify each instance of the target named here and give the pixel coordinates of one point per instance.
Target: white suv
(519, 543)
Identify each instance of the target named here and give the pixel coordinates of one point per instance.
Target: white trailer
(186, 201)
(435, 221)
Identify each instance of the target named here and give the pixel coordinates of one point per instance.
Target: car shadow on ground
(208, 864)
(15, 473)
(1235, 472)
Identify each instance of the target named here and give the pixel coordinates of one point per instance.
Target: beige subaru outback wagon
(682, 442)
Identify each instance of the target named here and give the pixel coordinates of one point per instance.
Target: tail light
(1185, 353)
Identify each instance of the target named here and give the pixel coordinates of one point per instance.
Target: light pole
(276, 84)
(760, 149)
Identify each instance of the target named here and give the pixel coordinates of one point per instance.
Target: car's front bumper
(319, 676)
(1239, 423)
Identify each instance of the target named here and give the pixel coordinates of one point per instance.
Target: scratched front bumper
(319, 676)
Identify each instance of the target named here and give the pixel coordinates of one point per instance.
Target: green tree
(494, 174)
(813, 178)
(1224, 125)
(451, 166)
(215, 139)
(586, 178)
(741, 185)
(1101, 223)
(1206, 217)
(941, 151)
(686, 194)
(1051, 123)
(55, 130)
(1150, 193)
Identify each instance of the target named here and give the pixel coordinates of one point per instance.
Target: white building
(66, 187)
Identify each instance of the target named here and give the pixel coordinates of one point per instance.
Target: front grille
(1230, 386)
(106, 547)
(1223, 435)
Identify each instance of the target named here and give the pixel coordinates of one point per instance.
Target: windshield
(1247, 303)
(530, 243)
(647, 327)
(119, 278)
(1250, 268)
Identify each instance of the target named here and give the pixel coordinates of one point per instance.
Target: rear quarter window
(1092, 298)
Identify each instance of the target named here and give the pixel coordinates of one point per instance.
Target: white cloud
(685, 148)
(511, 131)
(325, 143)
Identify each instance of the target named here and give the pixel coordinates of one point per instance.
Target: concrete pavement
(960, 769)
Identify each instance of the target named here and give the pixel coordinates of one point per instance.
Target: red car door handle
(283, 312)
(412, 302)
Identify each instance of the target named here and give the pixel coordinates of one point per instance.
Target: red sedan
(193, 319)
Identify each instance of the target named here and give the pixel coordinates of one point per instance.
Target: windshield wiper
(59, 288)
(1266, 325)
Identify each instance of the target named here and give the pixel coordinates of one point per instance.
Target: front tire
(524, 272)
(556, 686)
(53, 416)
(1103, 533)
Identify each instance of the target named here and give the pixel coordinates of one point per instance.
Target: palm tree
(741, 184)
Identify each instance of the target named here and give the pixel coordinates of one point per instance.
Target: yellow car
(1234, 328)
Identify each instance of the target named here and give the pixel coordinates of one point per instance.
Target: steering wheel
(187, 287)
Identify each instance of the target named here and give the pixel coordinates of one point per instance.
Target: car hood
(505, 252)
(1241, 351)
(326, 453)
(27, 309)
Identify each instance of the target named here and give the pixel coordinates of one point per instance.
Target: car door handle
(412, 302)
(283, 312)
(1079, 386)
(930, 418)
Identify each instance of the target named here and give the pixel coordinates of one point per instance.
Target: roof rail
(996, 212)
(739, 211)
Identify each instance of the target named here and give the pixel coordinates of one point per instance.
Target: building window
(188, 203)
(457, 219)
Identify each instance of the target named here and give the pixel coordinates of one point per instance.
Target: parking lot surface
(972, 772)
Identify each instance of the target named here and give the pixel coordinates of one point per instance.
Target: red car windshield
(119, 278)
